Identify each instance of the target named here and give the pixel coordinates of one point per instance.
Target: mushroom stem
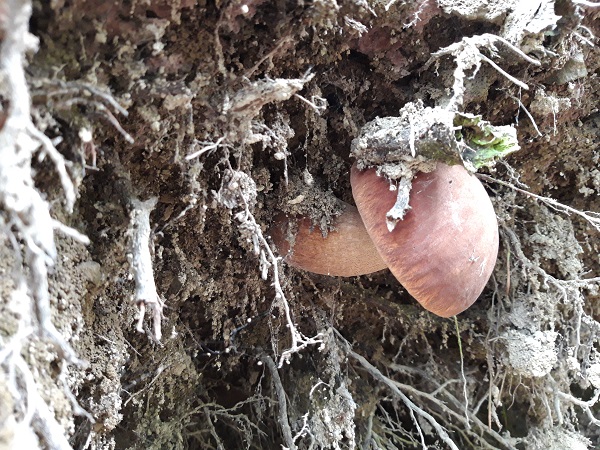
(347, 250)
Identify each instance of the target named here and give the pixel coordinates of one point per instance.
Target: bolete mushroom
(443, 251)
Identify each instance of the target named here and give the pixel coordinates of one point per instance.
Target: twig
(583, 38)
(38, 284)
(445, 408)
(414, 409)
(73, 90)
(147, 384)
(304, 430)
(143, 274)
(281, 44)
(239, 420)
(503, 72)
(42, 418)
(212, 429)
(219, 48)
(416, 15)
(299, 341)
(75, 406)
(393, 386)
(318, 104)
(585, 406)
(24, 204)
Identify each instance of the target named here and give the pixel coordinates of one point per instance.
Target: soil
(232, 112)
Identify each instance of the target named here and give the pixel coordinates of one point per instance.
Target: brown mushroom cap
(346, 251)
(444, 250)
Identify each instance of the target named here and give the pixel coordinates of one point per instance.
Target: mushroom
(443, 251)
(346, 251)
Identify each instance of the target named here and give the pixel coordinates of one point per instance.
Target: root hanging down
(145, 295)
(26, 222)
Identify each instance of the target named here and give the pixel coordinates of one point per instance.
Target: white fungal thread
(482, 267)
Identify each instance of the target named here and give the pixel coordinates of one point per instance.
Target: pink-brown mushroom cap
(444, 250)
(346, 251)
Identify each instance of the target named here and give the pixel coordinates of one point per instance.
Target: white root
(146, 296)
(467, 56)
(299, 341)
(27, 214)
(282, 400)
(592, 217)
(206, 147)
(413, 408)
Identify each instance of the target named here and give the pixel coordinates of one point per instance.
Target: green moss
(482, 143)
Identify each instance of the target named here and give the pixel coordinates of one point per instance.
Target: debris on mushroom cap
(444, 250)
(421, 136)
(417, 135)
(346, 251)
